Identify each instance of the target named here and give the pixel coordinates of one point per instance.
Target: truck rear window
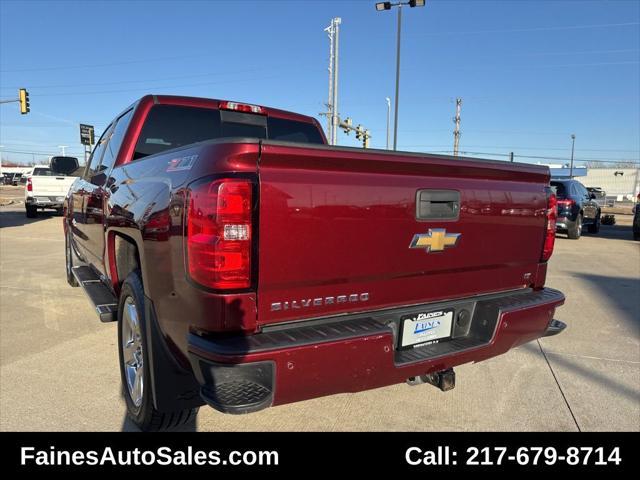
(171, 126)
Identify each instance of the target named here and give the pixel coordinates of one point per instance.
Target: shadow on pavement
(18, 218)
(623, 292)
(613, 232)
(607, 381)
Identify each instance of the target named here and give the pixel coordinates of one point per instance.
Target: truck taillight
(550, 233)
(219, 224)
(29, 185)
(241, 107)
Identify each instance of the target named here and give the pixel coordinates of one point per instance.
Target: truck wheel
(575, 229)
(134, 362)
(71, 280)
(31, 211)
(595, 226)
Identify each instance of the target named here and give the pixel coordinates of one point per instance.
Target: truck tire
(134, 362)
(595, 227)
(31, 211)
(575, 229)
(68, 255)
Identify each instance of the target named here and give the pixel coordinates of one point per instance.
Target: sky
(530, 73)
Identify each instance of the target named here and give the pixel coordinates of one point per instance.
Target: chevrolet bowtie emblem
(435, 240)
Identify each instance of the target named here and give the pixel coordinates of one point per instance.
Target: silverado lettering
(248, 264)
(317, 302)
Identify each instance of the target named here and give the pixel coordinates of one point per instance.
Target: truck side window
(96, 156)
(113, 146)
(292, 131)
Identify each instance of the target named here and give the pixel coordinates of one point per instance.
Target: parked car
(46, 188)
(249, 264)
(11, 178)
(577, 208)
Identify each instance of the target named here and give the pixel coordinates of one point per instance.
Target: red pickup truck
(248, 264)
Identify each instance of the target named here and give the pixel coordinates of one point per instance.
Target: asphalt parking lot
(59, 366)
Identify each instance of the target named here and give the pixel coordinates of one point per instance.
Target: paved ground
(59, 371)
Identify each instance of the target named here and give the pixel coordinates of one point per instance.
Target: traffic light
(24, 101)
(359, 132)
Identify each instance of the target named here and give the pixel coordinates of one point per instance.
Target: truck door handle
(437, 204)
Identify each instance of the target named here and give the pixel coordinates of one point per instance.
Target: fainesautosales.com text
(143, 457)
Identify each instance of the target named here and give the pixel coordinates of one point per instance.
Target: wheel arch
(124, 255)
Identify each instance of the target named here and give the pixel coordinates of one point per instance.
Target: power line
(536, 157)
(146, 88)
(120, 82)
(584, 52)
(99, 65)
(209, 55)
(532, 29)
(517, 147)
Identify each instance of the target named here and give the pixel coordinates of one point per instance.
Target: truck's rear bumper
(358, 352)
(46, 201)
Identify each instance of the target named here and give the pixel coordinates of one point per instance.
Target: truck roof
(215, 102)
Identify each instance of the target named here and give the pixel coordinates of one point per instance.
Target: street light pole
(395, 115)
(387, 6)
(388, 122)
(573, 144)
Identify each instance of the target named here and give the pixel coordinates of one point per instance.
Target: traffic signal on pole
(24, 101)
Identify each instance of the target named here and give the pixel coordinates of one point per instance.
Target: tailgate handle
(437, 204)
(59, 178)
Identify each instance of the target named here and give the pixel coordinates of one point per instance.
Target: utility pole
(511, 156)
(329, 112)
(380, 6)
(395, 116)
(332, 114)
(456, 132)
(63, 147)
(388, 122)
(336, 115)
(573, 144)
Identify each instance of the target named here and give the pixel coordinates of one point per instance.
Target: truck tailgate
(51, 186)
(336, 225)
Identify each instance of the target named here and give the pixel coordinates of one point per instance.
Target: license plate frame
(425, 327)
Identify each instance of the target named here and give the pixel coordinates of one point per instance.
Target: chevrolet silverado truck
(248, 264)
(46, 188)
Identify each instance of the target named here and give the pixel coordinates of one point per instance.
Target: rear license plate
(42, 199)
(425, 327)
